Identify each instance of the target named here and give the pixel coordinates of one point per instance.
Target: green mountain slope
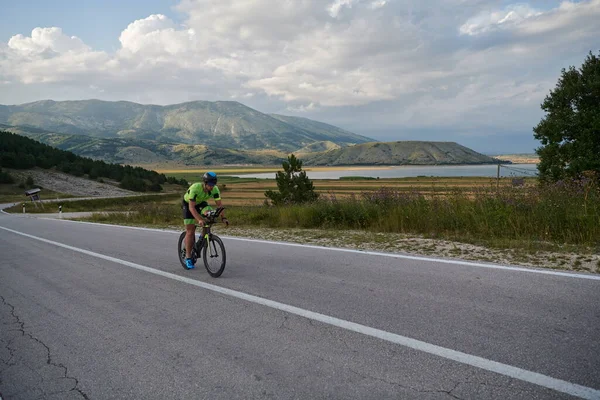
(399, 153)
(317, 147)
(139, 151)
(22, 153)
(324, 132)
(221, 124)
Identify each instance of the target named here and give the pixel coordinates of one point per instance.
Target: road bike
(208, 246)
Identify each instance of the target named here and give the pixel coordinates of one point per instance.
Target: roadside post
(498, 178)
(60, 211)
(23, 208)
(34, 195)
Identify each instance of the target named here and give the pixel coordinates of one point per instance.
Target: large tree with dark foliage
(293, 185)
(570, 130)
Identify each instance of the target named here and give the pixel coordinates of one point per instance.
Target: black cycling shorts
(187, 214)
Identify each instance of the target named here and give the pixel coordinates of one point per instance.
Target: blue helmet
(210, 178)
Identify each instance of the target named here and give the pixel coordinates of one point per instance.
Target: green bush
(131, 183)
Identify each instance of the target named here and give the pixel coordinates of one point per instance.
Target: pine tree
(293, 184)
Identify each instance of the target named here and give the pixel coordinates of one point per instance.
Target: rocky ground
(69, 184)
(588, 261)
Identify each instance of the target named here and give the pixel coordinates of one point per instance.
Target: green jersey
(196, 193)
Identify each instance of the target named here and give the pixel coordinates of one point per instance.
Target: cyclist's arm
(220, 204)
(217, 197)
(192, 206)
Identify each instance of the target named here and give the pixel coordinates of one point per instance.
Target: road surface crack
(283, 323)
(13, 352)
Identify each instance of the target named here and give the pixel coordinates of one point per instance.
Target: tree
(293, 184)
(94, 173)
(570, 130)
(130, 182)
(5, 177)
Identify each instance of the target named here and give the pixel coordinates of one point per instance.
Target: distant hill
(317, 147)
(399, 153)
(221, 124)
(139, 152)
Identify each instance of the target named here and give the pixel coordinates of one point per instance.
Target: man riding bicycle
(194, 204)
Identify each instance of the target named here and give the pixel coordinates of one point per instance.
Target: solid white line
(4, 212)
(365, 252)
(464, 358)
(421, 258)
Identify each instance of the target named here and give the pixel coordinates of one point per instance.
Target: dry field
(251, 191)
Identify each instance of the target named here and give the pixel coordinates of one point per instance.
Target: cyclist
(195, 203)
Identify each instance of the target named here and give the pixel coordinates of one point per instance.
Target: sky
(468, 71)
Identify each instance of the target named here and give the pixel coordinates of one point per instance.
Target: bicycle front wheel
(214, 256)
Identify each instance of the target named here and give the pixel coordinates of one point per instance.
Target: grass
(528, 219)
(131, 203)
(562, 217)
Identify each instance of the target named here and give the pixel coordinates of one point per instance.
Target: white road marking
(559, 385)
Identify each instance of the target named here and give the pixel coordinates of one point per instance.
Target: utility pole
(498, 178)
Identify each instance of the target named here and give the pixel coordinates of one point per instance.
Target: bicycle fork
(212, 250)
(206, 242)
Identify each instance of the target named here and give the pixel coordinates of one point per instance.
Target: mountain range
(217, 133)
(221, 124)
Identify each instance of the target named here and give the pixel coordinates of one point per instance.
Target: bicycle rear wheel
(214, 256)
(181, 251)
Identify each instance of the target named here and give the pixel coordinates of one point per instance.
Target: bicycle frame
(210, 220)
(203, 238)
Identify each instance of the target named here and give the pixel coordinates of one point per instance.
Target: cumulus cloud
(416, 63)
(48, 55)
(46, 39)
(155, 35)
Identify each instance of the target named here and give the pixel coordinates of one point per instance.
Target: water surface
(403, 171)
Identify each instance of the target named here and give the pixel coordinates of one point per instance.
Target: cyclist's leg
(203, 208)
(190, 229)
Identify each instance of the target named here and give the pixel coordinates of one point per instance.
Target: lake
(404, 171)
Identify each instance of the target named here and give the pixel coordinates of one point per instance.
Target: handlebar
(212, 215)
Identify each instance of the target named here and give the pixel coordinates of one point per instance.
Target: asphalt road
(105, 312)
